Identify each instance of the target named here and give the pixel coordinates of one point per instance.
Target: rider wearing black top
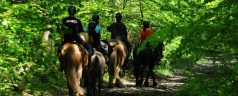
(118, 30)
(72, 27)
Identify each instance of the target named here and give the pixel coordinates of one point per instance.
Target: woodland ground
(167, 85)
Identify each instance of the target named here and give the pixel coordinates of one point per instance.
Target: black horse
(146, 58)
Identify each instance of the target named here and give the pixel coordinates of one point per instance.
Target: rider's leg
(88, 47)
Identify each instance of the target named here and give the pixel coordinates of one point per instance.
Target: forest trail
(167, 86)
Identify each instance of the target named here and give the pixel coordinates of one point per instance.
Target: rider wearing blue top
(95, 31)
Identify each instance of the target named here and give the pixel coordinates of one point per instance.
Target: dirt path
(167, 86)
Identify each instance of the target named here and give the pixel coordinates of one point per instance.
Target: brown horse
(117, 59)
(73, 60)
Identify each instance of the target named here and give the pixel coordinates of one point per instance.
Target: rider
(73, 26)
(146, 31)
(118, 30)
(94, 30)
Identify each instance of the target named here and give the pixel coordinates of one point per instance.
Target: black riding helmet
(118, 16)
(95, 18)
(146, 24)
(72, 10)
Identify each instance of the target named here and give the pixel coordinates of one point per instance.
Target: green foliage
(164, 70)
(190, 29)
(222, 82)
(23, 59)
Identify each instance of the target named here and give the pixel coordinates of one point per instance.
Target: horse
(117, 58)
(146, 58)
(95, 72)
(117, 53)
(73, 60)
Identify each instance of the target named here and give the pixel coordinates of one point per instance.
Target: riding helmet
(95, 17)
(118, 16)
(72, 10)
(146, 24)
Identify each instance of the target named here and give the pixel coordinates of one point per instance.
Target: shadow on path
(167, 86)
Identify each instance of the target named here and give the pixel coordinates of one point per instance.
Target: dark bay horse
(117, 59)
(73, 60)
(146, 58)
(95, 72)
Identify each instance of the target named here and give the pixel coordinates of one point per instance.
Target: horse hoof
(155, 85)
(137, 85)
(110, 86)
(120, 85)
(146, 84)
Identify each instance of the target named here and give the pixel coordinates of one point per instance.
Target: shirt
(74, 24)
(146, 33)
(118, 31)
(98, 29)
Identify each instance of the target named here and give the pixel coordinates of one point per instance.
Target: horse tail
(97, 61)
(123, 53)
(73, 66)
(119, 53)
(98, 66)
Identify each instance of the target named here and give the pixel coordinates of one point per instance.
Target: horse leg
(137, 81)
(70, 89)
(118, 79)
(94, 86)
(148, 73)
(112, 69)
(146, 84)
(80, 91)
(118, 82)
(120, 62)
(100, 79)
(153, 76)
(141, 73)
(136, 74)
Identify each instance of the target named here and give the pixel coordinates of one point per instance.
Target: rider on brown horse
(119, 31)
(73, 26)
